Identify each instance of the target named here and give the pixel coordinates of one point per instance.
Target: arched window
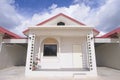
(60, 23)
(50, 47)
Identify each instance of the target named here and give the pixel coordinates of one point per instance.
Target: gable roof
(9, 33)
(111, 33)
(60, 14)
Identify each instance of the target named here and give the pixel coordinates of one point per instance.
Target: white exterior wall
(65, 50)
(12, 55)
(108, 55)
(63, 60)
(72, 34)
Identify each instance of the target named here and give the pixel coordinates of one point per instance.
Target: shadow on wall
(108, 55)
(13, 55)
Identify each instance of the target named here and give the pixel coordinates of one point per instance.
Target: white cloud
(76, 11)
(104, 18)
(9, 17)
(53, 6)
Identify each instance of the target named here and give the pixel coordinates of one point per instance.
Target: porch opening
(108, 55)
(13, 54)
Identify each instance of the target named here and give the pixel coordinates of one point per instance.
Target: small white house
(60, 46)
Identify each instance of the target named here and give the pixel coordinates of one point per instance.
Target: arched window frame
(60, 24)
(50, 43)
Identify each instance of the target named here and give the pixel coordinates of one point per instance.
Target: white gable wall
(61, 19)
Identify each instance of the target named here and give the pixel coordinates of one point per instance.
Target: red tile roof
(60, 14)
(10, 34)
(111, 33)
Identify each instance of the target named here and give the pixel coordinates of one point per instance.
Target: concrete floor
(17, 73)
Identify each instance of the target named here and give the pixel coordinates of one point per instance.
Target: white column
(91, 54)
(40, 52)
(119, 38)
(1, 39)
(30, 53)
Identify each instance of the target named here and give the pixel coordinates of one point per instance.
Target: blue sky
(36, 6)
(17, 15)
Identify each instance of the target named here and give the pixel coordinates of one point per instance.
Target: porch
(69, 54)
(52, 50)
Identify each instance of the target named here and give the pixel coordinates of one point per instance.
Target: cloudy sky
(17, 15)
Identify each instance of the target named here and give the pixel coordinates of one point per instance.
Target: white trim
(66, 26)
(106, 40)
(15, 41)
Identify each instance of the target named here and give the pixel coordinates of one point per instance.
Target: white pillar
(119, 38)
(1, 39)
(30, 53)
(91, 54)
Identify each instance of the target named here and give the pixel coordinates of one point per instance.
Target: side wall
(12, 55)
(108, 55)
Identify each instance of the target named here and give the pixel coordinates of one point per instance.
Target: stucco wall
(68, 42)
(67, 50)
(108, 55)
(12, 55)
(65, 56)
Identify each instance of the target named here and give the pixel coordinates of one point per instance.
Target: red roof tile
(113, 32)
(10, 34)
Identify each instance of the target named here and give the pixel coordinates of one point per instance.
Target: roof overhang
(74, 29)
(60, 27)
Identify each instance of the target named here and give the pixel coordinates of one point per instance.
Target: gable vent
(60, 23)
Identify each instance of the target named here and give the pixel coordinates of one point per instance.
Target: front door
(77, 56)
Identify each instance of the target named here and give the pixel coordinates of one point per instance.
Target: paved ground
(17, 73)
